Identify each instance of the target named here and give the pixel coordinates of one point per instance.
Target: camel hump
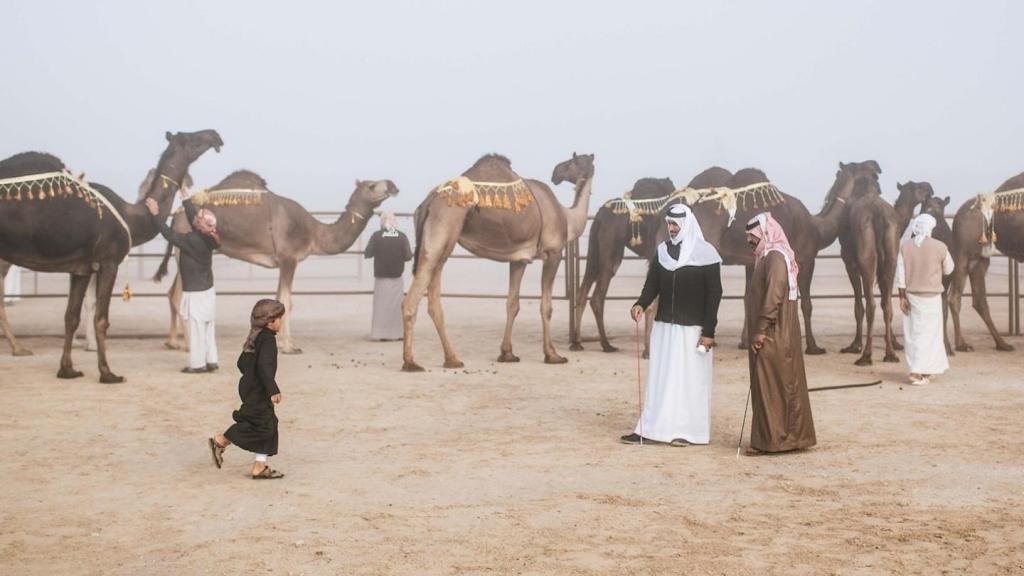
(241, 180)
(652, 188)
(710, 178)
(1014, 183)
(746, 177)
(27, 163)
(492, 168)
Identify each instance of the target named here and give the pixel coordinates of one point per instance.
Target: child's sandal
(268, 473)
(218, 453)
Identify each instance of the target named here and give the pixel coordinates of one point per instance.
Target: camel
(263, 228)
(615, 228)
(495, 214)
(89, 302)
(936, 208)
(808, 233)
(974, 237)
(57, 223)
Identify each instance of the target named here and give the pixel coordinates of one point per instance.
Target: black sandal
(268, 473)
(218, 453)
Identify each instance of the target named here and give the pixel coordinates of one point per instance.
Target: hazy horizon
(313, 96)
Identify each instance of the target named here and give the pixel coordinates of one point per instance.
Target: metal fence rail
(571, 256)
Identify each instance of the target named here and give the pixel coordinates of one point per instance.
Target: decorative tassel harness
(228, 197)
(463, 192)
(991, 202)
(50, 185)
(759, 196)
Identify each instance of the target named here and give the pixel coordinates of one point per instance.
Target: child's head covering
(264, 312)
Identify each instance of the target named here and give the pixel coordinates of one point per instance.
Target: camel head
(867, 168)
(914, 193)
(579, 167)
(936, 207)
(369, 194)
(192, 145)
(842, 187)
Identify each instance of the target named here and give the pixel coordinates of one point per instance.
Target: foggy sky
(313, 94)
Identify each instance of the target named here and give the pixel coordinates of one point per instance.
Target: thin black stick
(842, 386)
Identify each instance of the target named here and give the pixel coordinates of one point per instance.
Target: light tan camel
(258, 226)
(527, 223)
(974, 238)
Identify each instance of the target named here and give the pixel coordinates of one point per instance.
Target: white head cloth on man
(389, 224)
(694, 250)
(774, 239)
(919, 228)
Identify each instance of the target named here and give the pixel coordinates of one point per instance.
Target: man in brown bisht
(782, 419)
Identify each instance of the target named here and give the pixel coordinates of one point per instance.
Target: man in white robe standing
(920, 266)
(686, 278)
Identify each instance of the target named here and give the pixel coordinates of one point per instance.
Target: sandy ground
(501, 469)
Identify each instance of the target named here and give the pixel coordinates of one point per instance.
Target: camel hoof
(68, 373)
(22, 352)
(891, 358)
(814, 351)
(965, 348)
(609, 348)
(852, 349)
(412, 367)
(555, 359)
(454, 364)
(292, 351)
(863, 362)
(508, 357)
(172, 345)
(897, 346)
(576, 347)
(1004, 347)
(646, 355)
(111, 378)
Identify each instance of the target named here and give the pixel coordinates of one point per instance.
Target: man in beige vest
(920, 266)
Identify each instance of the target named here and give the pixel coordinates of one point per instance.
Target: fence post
(571, 267)
(1015, 294)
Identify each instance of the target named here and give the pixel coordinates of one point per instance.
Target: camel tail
(593, 252)
(162, 270)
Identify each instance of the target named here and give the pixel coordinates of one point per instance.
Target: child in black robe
(255, 427)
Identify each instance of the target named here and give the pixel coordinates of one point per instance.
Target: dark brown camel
(869, 239)
(972, 251)
(936, 208)
(64, 228)
(808, 233)
(260, 227)
(610, 234)
(538, 227)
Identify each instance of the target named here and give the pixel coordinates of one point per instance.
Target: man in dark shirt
(195, 265)
(390, 250)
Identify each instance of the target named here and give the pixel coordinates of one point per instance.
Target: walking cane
(639, 384)
(743, 424)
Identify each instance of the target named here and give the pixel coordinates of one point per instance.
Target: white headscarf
(694, 250)
(389, 224)
(919, 228)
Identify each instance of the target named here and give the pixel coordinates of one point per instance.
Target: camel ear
(945, 201)
(874, 166)
(168, 135)
(900, 187)
(358, 183)
(842, 166)
(573, 154)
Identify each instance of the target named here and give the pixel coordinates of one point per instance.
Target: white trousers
(677, 401)
(199, 309)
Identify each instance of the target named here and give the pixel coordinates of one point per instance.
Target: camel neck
(576, 216)
(341, 234)
(827, 221)
(904, 212)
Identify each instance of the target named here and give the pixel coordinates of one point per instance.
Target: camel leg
(597, 304)
(72, 316)
(649, 315)
(89, 310)
(589, 275)
(804, 282)
(886, 280)
(436, 313)
(284, 295)
(858, 305)
(515, 280)
(867, 280)
(174, 303)
(979, 300)
(945, 317)
(432, 255)
(548, 274)
(956, 293)
(410, 305)
(106, 276)
(16, 348)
